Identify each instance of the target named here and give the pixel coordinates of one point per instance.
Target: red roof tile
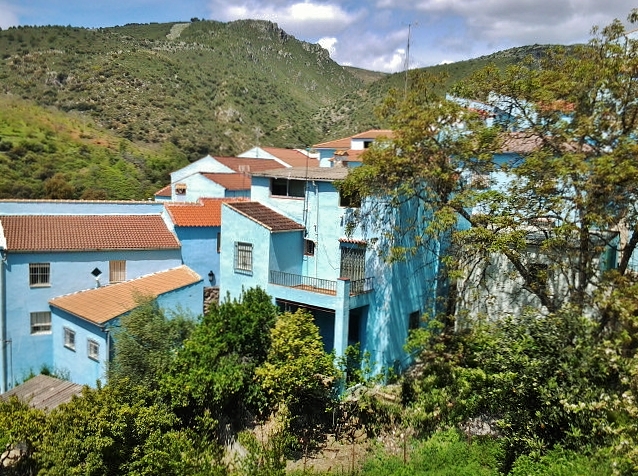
(265, 216)
(243, 164)
(206, 212)
(230, 181)
(335, 144)
(374, 134)
(292, 157)
(86, 232)
(346, 142)
(102, 304)
(164, 192)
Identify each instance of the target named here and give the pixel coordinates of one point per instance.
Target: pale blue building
(291, 239)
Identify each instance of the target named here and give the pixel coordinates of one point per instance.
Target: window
(117, 271)
(180, 189)
(287, 188)
(219, 242)
(353, 262)
(350, 200)
(308, 247)
(414, 320)
(41, 322)
(93, 349)
(243, 257)
(39, 274)
(69, 338)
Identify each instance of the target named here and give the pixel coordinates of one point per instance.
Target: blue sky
(371, 34)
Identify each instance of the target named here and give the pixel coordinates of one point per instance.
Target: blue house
(346, 152)
(54, 248)
(82, 322)
(293, 240)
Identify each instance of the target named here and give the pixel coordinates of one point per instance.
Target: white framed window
(117, 271)
(243, 257)
(41, 322)
(39, 274)
(93, 349)
(180, 189)
(69, 338)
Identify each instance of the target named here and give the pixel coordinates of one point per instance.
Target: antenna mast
(407, 62)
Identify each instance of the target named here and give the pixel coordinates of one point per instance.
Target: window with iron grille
(117, 271)
(41, 322)
(69, 338)
(353, 262)
(243, 257)
(39, 274)
(93, 349)
(308, 247)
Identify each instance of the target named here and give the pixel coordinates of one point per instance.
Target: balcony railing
(324, 286)
(317, 285)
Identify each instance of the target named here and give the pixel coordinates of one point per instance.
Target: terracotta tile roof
(230, 181)
(349, 155)
(86, 232)
(102, 304)
(374, 134)
(327, 174)
(164, 192)
(238, 164)
(334, 144)
(292, 157)
(206, 212)
(265, 216)
(44, 392)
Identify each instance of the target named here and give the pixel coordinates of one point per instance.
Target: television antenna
(407, 59)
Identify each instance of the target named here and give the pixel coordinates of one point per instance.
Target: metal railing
(306, 283)
(361, 286)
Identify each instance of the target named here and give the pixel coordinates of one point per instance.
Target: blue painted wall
(199, 250)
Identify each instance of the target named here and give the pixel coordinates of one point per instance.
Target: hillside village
(454, 292)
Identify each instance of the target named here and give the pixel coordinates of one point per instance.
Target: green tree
(546, 225)
(145, 344)
(212, 375)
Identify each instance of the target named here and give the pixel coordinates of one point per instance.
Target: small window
(39, 274)
(414, 320)
(69, 338)
(308, 247)
(117, 271)
(93, 349)
(41, 322)
(283, 187)
(219, 242)
(180, 189)
(349, 200)
(243, 257)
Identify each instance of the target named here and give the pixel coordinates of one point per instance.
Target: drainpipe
(3, 321)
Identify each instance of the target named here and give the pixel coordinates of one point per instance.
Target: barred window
(117, 271)
(39, 274)
(243, 257)
(41, 322)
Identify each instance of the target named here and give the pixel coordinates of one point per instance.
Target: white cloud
(303, 19)
(329, 43)
(8, 15)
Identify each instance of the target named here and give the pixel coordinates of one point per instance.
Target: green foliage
(544, 380)
(297, 370)
(145, 344)
(263, 458)
(119, 430)
(213, 373)
(21, 427)
(561, 462)
(444, 454)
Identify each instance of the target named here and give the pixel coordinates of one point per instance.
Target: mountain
(146, 97)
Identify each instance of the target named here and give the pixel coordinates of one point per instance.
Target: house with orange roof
(215, 177)
(346, 152)
(52, 248)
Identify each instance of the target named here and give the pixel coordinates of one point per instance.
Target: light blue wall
(199, 250)
(78, 207)
(81, 369)
(205, 164)
(69, 272)
(198, 186)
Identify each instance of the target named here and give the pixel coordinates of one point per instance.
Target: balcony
(317, 285)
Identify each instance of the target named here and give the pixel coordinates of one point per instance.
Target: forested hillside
(135, 101)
